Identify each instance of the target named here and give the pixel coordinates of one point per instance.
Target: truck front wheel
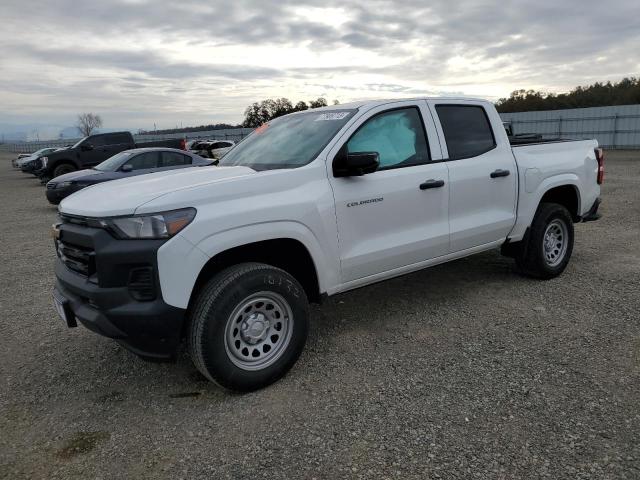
(547, 250)
(247, 326)
(63, 168)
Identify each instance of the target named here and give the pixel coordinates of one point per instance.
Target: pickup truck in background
(92, 150)
(311, 204)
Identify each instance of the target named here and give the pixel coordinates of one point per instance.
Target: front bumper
(32, 166)
(103, 300)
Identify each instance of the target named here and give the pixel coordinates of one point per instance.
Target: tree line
(261, 112)
(624, 92)
(199, 128)
(599, 94)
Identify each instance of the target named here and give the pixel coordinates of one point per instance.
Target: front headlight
(45, 160)
(63, 184)
(155, 225)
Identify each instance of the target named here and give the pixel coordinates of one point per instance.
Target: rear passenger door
(482, 173)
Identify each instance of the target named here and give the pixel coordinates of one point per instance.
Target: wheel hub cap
(555, 242)
(258, 330)
(255, 328)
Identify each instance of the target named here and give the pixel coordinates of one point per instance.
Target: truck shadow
(366, 312)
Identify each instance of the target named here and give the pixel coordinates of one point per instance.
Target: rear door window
(467, 130)
(173, 159)
(144, 161)
(117, 139)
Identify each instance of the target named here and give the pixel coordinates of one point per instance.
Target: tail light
(600, 159)
(183, 144)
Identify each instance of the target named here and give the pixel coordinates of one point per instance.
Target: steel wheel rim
(555, 242)
(258, 331)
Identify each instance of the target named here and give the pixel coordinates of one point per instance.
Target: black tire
(214, 320)
(532, 258)
(63, 168)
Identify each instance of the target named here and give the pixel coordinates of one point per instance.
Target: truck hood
(124, 196)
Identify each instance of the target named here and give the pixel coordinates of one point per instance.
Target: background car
(14, 162)
(138, 161)
(21, 162)
(215, 149)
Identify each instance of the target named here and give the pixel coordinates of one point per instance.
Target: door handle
(431, 183)
(500, 173)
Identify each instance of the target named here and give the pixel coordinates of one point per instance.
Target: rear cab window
(467, 130)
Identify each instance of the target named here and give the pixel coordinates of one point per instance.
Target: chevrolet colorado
(311, 204)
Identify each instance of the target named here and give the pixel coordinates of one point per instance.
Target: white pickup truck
(311, 204)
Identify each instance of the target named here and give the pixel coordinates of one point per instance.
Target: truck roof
(368, 104)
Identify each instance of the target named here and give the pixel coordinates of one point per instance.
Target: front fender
(179, 265)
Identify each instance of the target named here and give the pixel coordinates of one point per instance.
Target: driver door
(396, 216)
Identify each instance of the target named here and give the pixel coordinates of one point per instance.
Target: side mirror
(126, 167)
(355, 164)
(85, 147)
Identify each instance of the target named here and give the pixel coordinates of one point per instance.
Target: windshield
(113, 163)
(77, 144)
(287, 142)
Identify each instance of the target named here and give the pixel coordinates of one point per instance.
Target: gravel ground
(464, 370)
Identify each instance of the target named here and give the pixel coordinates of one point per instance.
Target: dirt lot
(465, 370)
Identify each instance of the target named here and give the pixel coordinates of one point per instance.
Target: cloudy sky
(137, 62)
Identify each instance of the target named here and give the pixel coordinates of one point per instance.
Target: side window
(172, 159)
(144, 161)
(467, 130)
(398, 137)
(97, 141)
(117, 139)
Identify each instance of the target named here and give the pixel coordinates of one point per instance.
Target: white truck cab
(311, 204)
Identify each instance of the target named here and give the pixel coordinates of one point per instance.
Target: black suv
(92, 150)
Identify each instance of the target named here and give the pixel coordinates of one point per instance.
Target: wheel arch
(567, 195)
(289, 254)
(52, 165)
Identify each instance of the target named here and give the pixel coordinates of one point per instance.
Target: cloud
(139, 61)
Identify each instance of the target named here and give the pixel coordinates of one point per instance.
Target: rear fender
(530, 196)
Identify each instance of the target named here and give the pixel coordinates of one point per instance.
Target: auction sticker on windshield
(331, 116)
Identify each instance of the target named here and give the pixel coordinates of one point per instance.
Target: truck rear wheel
(546, 252)
(248, 326)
